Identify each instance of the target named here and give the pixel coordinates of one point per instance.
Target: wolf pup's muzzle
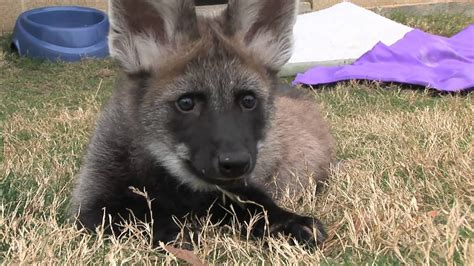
(233, 165)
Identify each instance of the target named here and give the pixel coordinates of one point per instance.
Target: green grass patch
(402, 193)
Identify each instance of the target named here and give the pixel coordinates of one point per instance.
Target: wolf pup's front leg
(276, 220)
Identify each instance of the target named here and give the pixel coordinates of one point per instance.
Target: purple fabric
(419, 58)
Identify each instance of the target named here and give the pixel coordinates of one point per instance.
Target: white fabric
(339, 35)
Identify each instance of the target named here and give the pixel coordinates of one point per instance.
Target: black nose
(234, 165)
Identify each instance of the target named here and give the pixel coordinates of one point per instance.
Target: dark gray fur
(143, 140)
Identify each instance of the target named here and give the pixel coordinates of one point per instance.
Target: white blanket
(339, 35)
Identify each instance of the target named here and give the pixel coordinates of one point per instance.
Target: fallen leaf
(433, 214)
(186, 255)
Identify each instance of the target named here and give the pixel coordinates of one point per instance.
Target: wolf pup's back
(197, 122)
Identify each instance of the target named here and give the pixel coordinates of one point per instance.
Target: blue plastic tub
(66, 33)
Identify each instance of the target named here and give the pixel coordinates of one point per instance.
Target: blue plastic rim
(66, 33)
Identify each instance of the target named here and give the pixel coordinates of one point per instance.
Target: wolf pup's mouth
(219, 180)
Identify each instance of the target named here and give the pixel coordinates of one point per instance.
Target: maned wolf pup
(198, 122)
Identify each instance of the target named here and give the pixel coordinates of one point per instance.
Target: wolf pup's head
(201, 88)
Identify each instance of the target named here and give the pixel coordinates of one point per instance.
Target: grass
(402, 194)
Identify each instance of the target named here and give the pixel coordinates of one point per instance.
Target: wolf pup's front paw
(305, 230)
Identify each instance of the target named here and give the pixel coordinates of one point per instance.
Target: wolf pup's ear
(142, 32)
(266, 27)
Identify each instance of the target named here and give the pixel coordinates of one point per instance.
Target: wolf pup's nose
(233, 165)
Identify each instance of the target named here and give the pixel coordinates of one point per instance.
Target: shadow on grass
(6, 45)
(390, 86)
(10, 54)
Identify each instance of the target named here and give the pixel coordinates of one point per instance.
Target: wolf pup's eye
(185, 103)
(248, 102)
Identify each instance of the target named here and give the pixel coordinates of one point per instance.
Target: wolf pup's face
(202, 87)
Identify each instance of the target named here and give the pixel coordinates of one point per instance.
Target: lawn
(403, 192)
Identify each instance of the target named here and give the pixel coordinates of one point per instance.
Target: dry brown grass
(402, 192)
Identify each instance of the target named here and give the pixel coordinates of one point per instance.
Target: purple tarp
(419, 58)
